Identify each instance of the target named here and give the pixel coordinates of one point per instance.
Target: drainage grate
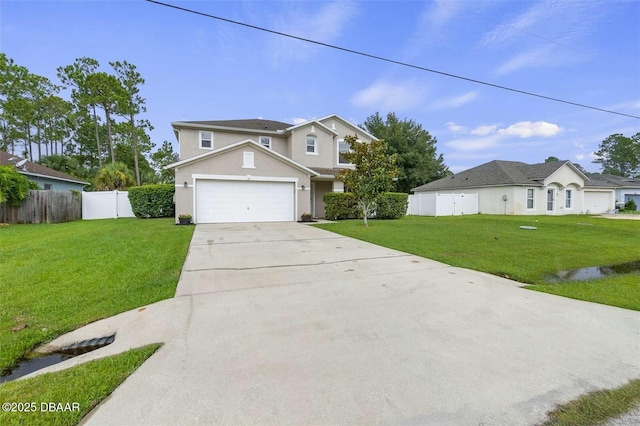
(87, 345)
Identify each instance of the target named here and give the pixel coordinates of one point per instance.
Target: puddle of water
(35, 361)
(595, 272)
(30, 365)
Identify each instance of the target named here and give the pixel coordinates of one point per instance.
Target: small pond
(594, 272)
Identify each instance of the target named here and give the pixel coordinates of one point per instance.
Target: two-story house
(259, 170)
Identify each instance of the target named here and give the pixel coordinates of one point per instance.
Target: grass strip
(595, 408)
(65, 397)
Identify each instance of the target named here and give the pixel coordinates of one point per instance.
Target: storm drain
(37, 361)
(85, 346)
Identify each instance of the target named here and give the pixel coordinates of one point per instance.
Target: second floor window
(206, 140)
(343, 147)
(312, 144)
(265, 141)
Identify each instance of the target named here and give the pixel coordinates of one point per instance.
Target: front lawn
(497, 245)
(58, 277)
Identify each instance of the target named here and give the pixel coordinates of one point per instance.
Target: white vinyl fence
(106, 205)
(442, 204)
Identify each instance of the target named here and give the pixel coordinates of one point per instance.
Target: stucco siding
(324, 141)
(190, 141)
(230, 163)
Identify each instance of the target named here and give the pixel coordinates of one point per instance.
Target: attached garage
(219, 201)
(597, 202)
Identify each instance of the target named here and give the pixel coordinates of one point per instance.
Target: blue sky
(197, 68)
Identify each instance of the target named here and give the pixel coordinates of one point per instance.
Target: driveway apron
(283, 323)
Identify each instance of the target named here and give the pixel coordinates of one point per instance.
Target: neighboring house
(626, 189)
(510, 187)
(46, 178)
(259, 170)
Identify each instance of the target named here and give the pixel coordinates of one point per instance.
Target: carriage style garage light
(186, 184)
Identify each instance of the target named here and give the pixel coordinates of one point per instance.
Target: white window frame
(532, 198)
(201, 139)
(315, 145)
(338, 152)
(568, 199)
(265, 137)
(248, 160)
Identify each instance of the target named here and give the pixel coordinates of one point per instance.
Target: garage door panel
(244, 201)
(596, 202)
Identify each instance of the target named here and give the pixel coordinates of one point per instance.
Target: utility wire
(392, 61)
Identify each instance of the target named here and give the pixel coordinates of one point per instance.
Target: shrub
(340, 205)
(630, 206)
(391, 205)
(152, 200)
(14, 187)
(114, 176)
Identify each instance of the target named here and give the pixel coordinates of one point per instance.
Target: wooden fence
(44, 206)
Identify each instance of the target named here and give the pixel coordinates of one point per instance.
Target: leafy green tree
(114, 176)
(132, 103)
(163, 157)
(620, 155)
(551, 159)
(75, 76)
(418, 160)
(14, 187)
(65, 164)
(374, 173)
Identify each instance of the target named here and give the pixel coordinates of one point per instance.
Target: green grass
(596, 407)
(496, 244)
(58, 277)
(86, 385)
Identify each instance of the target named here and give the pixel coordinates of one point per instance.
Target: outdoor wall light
(303, 187)
(185, 184)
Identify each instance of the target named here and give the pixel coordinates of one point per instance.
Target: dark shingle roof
(598, 179)
(495, 173)
(250, 124)
(31, 168)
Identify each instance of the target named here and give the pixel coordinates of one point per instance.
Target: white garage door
(597, 202)
(219, 201)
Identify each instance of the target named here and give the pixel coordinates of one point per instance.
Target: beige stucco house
(510, 187)
(259, 170)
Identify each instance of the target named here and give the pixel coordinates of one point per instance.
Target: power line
(392, 61)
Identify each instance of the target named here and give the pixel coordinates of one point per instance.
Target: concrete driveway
(289, 324)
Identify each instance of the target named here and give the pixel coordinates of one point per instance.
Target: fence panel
(106, 205)
(44, 207)
(442, 204)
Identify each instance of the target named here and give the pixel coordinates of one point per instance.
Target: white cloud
(474, 144)
(455, 101)
(579, 157)
(453, 127)
(298, 120)
(385, 95)
(527, 129)
(578, 145)
(534, 57)
(484, 130)
(302, 19)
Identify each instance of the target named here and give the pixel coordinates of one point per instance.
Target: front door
(550, 200)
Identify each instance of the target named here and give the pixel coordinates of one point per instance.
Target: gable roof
(253, 144)
(254, 124)
(498, 173)
(350, 124)
(30, 168)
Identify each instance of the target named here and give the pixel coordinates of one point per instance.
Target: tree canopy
(101, 122)
(374, 173)
(620, 155)
(418, 160)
